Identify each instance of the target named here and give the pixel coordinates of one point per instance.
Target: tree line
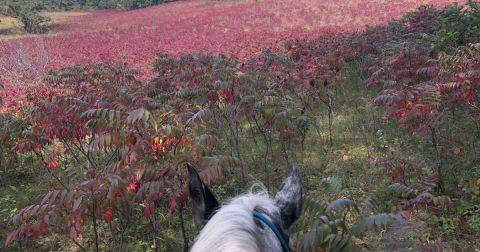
(28, 12)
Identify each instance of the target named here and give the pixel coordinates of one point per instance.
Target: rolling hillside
(239, 29)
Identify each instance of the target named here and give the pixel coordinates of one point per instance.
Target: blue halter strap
(274, 228)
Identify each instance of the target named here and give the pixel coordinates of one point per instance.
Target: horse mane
(233, 228)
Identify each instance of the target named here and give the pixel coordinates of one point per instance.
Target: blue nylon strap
(274, 228)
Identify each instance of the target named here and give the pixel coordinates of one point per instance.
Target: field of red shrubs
(240, 29)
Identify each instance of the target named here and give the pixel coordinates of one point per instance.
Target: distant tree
(135, 4)
(27, 13)
(27, 10)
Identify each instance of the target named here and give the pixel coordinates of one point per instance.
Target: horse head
(250, 222)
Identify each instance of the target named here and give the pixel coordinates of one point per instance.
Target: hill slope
(236, 28)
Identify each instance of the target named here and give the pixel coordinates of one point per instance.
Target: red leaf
(139, 173)
(149, 210)
(53, 164)
(46, 219)
(72, 233)
(179, 198)
(173, 205)
(456, 150)
(407, 214)
(11, 237)
(4, 138)
(133, 187)
(108, 215)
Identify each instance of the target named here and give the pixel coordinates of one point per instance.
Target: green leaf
(342, 204)
(403, 190)
(138, 114)
(371, 222)
(333, 183)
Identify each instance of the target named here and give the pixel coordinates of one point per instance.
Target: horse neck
(233, 229)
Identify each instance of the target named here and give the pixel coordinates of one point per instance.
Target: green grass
(17, 190)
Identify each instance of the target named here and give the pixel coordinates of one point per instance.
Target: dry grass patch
(11, 28)
(9, 25)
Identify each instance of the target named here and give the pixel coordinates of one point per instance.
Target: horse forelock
(233, 227)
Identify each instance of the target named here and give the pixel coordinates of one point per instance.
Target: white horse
(253, 222)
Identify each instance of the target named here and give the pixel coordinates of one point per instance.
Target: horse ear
(289, 197)
(204, 202)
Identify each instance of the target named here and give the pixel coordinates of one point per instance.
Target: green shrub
(460, 26)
